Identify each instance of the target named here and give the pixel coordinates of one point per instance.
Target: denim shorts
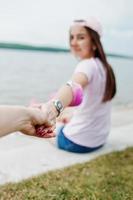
(64, 143)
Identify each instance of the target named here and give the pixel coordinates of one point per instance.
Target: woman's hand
(66, 115)
(51, 111)
(45, 132)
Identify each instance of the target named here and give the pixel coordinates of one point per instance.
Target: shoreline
(24, 156)
(50, 48)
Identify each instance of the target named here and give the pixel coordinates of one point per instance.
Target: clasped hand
(46, 130)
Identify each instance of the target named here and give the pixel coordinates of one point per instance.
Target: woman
(94, 79)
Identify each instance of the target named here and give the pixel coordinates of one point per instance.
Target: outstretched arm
(65, 95)
(19, 118)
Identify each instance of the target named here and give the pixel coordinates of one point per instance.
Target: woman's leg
(66, 144)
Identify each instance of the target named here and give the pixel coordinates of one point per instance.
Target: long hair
(110, 87)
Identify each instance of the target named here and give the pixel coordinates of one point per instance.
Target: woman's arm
(64, 95)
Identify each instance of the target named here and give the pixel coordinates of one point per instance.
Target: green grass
(109, 177)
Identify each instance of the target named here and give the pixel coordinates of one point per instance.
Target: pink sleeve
(87, 67)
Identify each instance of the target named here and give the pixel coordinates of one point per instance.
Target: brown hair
(110, 87)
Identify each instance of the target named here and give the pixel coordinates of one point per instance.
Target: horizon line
(55, 49)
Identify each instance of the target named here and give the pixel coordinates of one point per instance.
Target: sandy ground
(22, 156)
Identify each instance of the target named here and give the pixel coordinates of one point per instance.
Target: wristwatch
(58, 105)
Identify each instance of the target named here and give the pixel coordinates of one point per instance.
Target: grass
(109, 177)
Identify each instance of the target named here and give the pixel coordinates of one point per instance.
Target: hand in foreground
(45, 132)
(47, 129)
(34, 118)
(20, 118)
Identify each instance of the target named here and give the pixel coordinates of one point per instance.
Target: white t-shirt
(90, 124)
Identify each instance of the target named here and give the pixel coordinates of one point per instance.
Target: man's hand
(47, 129)
(34, 118)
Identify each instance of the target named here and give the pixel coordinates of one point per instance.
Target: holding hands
(20, 118)
(47, 129)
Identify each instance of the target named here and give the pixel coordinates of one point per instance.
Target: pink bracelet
(77, 93)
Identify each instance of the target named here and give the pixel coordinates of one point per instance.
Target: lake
(25, 75)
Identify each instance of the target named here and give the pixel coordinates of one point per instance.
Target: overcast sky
(47, 21)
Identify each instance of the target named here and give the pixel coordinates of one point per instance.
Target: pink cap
(91, 23)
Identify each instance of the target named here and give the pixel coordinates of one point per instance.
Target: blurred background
(34, 44)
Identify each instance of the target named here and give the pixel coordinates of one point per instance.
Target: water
(123, 69)
(25, 75)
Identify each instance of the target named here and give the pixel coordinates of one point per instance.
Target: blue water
(25, 75)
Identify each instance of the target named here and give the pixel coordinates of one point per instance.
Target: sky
(47, 22)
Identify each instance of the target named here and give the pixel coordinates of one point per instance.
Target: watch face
(58, 105)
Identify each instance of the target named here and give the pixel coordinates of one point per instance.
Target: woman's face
(81, 43)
